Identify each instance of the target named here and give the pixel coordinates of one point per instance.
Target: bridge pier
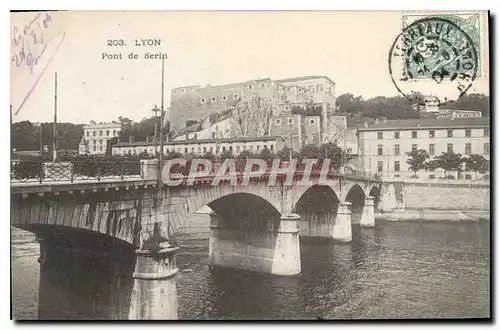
(368, 215)
(275, 250)
(154, 293)
(342, 230)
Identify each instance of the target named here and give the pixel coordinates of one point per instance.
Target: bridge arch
(375, 193)
(356, 196)
(245, 211)
(317, 199)
(199, 196)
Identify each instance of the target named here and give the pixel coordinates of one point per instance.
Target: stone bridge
(254, 227)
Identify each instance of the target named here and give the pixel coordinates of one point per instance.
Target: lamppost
(156, 110)
(289, 149)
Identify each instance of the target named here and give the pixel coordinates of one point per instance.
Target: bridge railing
(39, 171)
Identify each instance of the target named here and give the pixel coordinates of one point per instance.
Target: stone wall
(447, 196)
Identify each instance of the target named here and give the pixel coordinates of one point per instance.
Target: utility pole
(162, 115)
(291, 129)
(41, 140)
(54, 142)
(155, 110)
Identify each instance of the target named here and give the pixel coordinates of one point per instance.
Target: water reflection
(395, 270)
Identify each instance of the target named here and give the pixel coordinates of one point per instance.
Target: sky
(352, 48)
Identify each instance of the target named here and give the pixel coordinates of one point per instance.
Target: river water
(396, 270)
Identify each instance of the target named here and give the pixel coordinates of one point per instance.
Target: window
(94, 148)
(237, 148)
(145, 151)
(414, 147)
(244, 148)
(231, 148)
(107, 133)
(185, 150)
(431, 149)
(263, 85)
(114, 132)
(100, 133)
(183, 90)
(290, 120)
(467, 133)
(100, 141)
(396, 135)
(431, 134)
(380, 166)
(250, 87)
(468, 148)
(199, 149)
(486, 132)
(213, 99)
(130, 152)
(450, 133)
(396, 166)
(224, 98)
(396, 149)
(450, 147)
(93, 133)
(468, 177)
(251, 148)
(487, 148)
(258, 147)
(414, 134)
(88, 133)
(278, 121)
(380, 150)
(271, 147)
(235, 96)
(204, 149)
(265, 146)
(312, 121)
(223, 149)
(212, 149)
(202, 100)
(380, 135)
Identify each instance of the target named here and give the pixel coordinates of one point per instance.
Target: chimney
(130, 139)
(385, 120)
(365, 124)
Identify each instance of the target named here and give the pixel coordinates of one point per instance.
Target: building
(383, 144)
(95, 137)
(430, 109)
(202, 146)
(195, 103)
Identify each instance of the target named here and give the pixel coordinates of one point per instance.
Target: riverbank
(433, 215)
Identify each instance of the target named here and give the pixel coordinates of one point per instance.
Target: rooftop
(426, 123)
(259, 80)
(304, 78)
(200, 141)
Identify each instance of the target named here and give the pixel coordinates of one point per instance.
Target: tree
(477, 164)
(450, 161)
(109, 145)
(334, 152)
(348, 103)
(472, 101)
(417, 160)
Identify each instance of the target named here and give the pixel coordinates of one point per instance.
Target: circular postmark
(433, 57)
